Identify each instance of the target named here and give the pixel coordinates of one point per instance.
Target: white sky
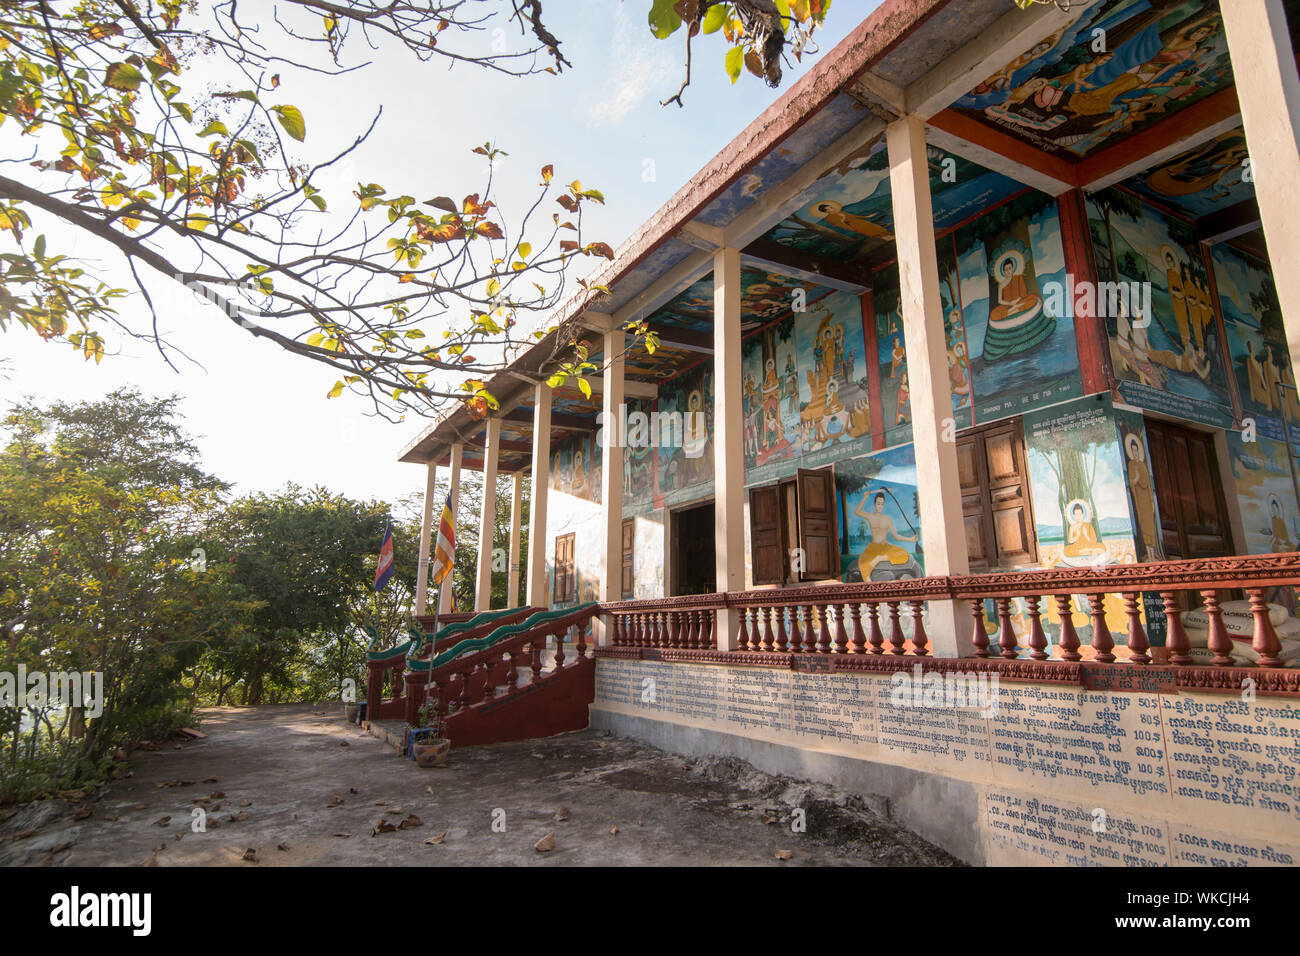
(260, 414)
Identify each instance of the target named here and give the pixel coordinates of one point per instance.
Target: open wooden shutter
(765, 535)
(629, 538)
(818, 525)
(565, 583)
(979, 527)
(1009, 507)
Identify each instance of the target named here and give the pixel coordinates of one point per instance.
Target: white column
(488, 519)
(444, 599)
(611, 478)
(728, 441)
(1268, 90)
(943, 533)
(538, 543)
(516, 519)
(426, 531)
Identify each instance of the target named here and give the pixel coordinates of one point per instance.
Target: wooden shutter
(995, 505)
(1193, 516)
(1009, 506)
(565, 588)
(818, 525)
(629, 539)
(765, 535)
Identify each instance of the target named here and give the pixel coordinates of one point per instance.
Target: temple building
(976, 356)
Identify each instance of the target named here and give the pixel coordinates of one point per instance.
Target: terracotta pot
(351, 713)
(432, 753)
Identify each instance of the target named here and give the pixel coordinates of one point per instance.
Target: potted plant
(428, 746)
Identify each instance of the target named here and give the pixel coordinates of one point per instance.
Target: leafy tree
(157, 130)
(99, 573)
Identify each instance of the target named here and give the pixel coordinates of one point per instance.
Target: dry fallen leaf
(344, 743)
(353, 790)
(81, 813)
(61, 847)
(161, 822)
(432, 841)
(343, 835)
(282, 847)
(247, 803)
(545, 844)
(383, 827)
(562, 814)
(640, 823)
(212, 780)
(250, 855)
(613, 830)
(141, 806)
(111, 817)
(152, 861)
(410, 821)
(783, 854)
(25, 834)
(239, 817)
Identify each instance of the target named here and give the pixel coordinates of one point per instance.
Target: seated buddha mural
(1018, 320)
(1080, 537)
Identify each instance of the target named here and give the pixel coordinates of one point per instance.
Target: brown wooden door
(765, 535)
(566, 580)
(1193, 515)
(629, 541)
(818, 532)
(996, 509)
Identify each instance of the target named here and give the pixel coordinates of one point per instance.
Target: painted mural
(638, 462)
(1205, 179)
(879, 517)
(1261, 362)
(764, 297)
(1140, 483)
(1078, 484)
(804, 387)
(685, 464)
(855, 216)
(1019, 338)
(576, 467)
(1266, 494)
(1170, 360)
(891, 353)
(1122, 66)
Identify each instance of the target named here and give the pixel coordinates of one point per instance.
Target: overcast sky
(260, 415)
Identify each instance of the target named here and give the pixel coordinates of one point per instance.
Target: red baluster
(919, 637)
(1006, 634)
(1037, 637)
(582, 641)
(1138, 645)
(979, 634)
(841, 635)
(809, 634)
(708, 629)
(1069, 636)
(874, 638)
(824, 630)
(1220, 643)
(896, 638)
(742, 638)
(768, 642)
(1180, 647)
(1102, 642)
(1264, 641)
(559, 649)
(859, 639)
(782, 636)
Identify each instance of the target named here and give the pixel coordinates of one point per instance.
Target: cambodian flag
(384, 571)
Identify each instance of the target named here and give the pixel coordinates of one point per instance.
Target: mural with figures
(1120, 67)
(575, 467)
(1205, 179)
(1019, 337)
(1170, 359)
(879, 517)
(805, 390)
(1141, 485)
(1261, 362)
(1266, 493)
(638, 460)
(685, 464)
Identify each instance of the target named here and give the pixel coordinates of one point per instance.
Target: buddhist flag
(384, 570)
(444, 554)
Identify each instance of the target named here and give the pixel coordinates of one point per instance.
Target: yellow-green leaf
(290, 118)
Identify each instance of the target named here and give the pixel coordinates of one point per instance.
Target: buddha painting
(1279, 539)
(882, 529)
(1018, 321)
(1080, 537)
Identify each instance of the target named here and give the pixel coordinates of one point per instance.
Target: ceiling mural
(1121, 67)
(1202, 180)
(765, 296)
(854, 216)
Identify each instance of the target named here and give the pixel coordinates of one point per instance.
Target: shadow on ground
(296, 785)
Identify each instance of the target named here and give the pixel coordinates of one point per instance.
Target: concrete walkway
(298, 786)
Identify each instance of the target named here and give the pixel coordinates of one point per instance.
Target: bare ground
(299, 786)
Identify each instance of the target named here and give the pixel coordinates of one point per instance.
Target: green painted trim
(476, 621)
(500, 634)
